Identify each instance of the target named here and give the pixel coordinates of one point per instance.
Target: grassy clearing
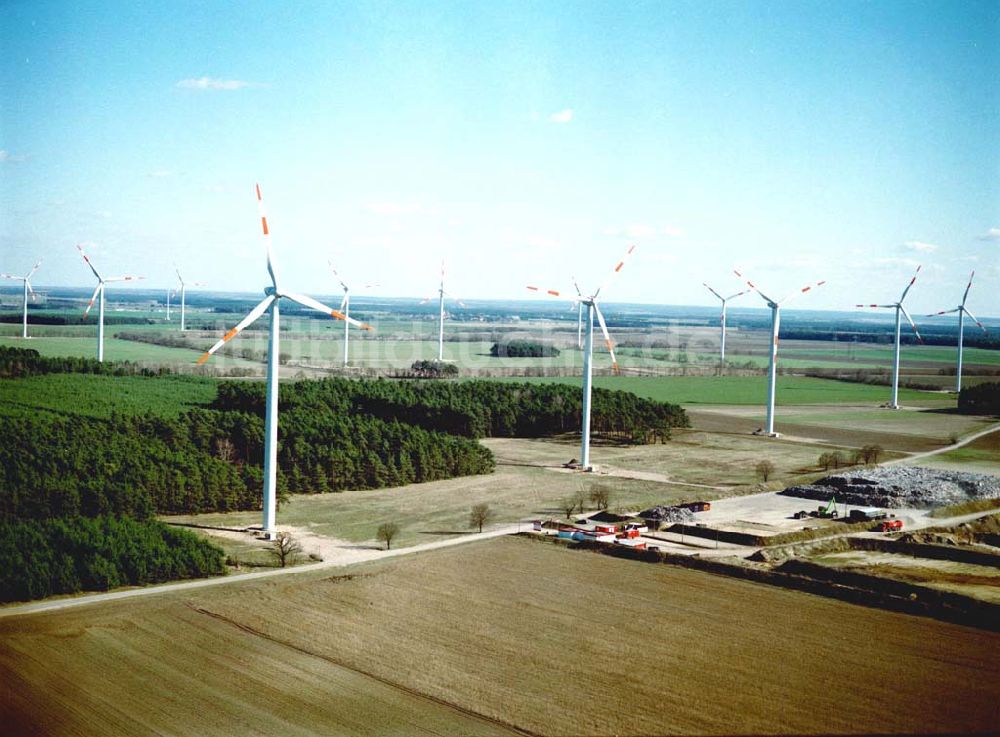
(551, 640)
(121, 350)
(527, 484)
(980, 456)
(97, 395)
(956, 510)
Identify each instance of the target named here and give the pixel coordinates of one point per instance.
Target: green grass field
(791, 390)
(96, 395)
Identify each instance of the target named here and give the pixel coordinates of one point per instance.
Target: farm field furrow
(554, 641)
(163, 667)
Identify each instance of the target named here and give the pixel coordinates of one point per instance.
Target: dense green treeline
(523, 349)
(40, 558)
(473, 409)
(983, 399)
(21, 362)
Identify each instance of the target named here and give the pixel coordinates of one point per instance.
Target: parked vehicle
(891, 525)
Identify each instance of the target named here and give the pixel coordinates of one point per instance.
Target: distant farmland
(510, 631)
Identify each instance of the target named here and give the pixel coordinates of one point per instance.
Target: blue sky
(521, 142)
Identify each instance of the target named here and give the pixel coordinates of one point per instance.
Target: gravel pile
(900, 486)
(668, 515)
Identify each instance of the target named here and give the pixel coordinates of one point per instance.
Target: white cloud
(210, 83)
(541, 242)
(893, 261)
(993, 234)
(641, 230)
(563, 116)
(160, 174)
(921, 247)
(393, 208)
(7, 156)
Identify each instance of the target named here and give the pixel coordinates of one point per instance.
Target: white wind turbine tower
(183, 291)
(772, 375)
(27, 288)
(274, 294)
(898, 307)
(441, 295)
(722, 340)
(588, 350)
(962, 312)
(345, 307)
(99, 292)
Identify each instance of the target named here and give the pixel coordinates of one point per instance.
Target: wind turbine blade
(884, 307)
(198, 284)
(753, 287)
(908, 286)
(550, 292)
(981, 326)
(425, 300)
(337, 276)
(944, 312)
(618, 267)
(607, 339)
(10, 276)
(343, 302)
(92, 298)
(320, 307)
(713, 291)
(124, 278)
(805, 289)
(179, 277)
(80, 249)
(576, 286)
(28, 285)
(372, 285)
(267, 237)
(912, 324)
(738, 294)
(251, 317)
(966, 295)
(33, 269)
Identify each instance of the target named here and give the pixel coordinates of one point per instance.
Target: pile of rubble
(668, 515)
(900, 487)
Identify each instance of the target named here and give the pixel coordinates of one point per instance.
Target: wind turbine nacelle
(271, 291)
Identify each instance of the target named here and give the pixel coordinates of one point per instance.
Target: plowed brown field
(510, 631)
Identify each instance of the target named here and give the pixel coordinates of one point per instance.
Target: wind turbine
(27, 288)
(101, 283)
(962, 312)
(898, 307)
(722, 341)
(274, 294)
(441, 295)
(588, 350)
(345, 307)
(183, 291)
(772, 374)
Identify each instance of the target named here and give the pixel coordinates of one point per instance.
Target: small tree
(480, 515)
(600, 495)
(387, 531)
(285, 549)
(825, 461)
(581, 500)
(568, 505)
(764, 470)
(838, 459)
(870, 454)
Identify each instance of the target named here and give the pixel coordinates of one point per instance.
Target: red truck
(891, 525)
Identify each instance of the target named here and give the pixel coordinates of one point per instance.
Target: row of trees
(473, 409)
(40, 558)
(20, 362)
(209, 460)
